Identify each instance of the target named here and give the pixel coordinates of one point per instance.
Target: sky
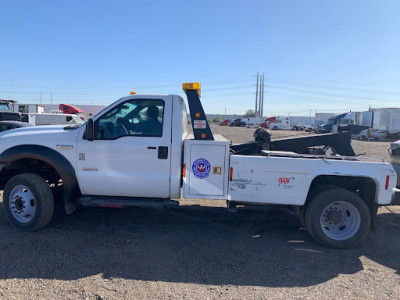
(316, 55)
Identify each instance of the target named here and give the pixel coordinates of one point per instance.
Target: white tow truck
(137, 152)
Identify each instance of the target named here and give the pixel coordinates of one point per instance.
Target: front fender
(57, 161)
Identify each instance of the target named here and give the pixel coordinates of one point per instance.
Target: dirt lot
(196, 252)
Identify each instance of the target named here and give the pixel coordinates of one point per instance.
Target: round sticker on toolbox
(201, 168)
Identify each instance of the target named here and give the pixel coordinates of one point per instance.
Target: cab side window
(137, 117)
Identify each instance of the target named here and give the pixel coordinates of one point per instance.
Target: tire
(338, 218)
(28, 202)
(311, 194)
(274, 128)
(302, 217)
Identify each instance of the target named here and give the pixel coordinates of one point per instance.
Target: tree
(249, 114)
(217, 119)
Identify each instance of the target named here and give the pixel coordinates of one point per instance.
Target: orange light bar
(133, 93)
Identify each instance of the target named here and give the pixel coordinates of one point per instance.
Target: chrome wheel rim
(22, 204)
(340, 220)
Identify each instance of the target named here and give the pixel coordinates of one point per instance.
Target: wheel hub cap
(334, 217)
(22, 204)
(340, 220)
(19, 204)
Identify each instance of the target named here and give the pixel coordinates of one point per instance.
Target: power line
(336, 88)
(327, 94)
(314, 80)
(313, 100)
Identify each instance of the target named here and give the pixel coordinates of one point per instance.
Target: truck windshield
(330, 122)
(4, 107)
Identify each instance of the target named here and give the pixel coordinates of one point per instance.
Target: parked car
(313, 126)
(237, 123)
(251, 125)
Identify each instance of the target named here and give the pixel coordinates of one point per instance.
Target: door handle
(152, 148)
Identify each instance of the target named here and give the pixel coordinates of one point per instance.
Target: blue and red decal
(201, 168)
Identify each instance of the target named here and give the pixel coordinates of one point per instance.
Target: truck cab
(267, 122)
(7, 113)
(144, 152)
(70, 109)
(327, 127)
(281, 123)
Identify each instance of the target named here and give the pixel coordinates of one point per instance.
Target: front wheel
(337, 218)
(28, 202)
(274, 128)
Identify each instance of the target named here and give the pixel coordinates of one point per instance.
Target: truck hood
(36, 130)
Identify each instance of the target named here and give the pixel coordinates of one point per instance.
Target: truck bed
(314, 156)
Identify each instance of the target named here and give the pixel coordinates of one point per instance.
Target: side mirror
(89, 132)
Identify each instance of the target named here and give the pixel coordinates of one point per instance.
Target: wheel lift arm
(201, 128)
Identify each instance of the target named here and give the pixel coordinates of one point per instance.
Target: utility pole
(262, 98)
(255, 110)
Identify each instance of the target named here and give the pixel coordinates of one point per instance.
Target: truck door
(130, 154)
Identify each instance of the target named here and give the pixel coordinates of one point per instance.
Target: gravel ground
(197, 252)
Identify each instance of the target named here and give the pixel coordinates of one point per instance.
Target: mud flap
(70, 207)
(374, 213)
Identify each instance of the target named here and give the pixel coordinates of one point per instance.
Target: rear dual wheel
(337, 218)
(28, 202)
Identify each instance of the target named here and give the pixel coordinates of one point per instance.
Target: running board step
(125, 202)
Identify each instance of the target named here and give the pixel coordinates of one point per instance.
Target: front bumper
(395, 197)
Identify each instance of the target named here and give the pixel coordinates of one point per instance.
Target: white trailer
(363, 118)
(386, 119)
(54, 119)
(252, 120)
(323, 116)
(291, 122)
(30, 108)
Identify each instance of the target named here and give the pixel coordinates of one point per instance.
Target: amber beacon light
(194, 86)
